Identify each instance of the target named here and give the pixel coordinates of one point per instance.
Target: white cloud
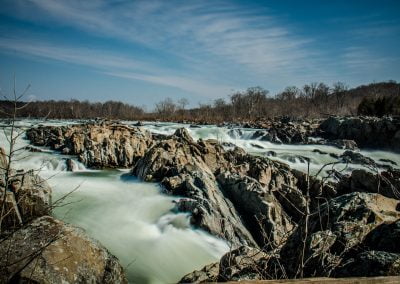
(214, 43)
(113, 65)
(218, 30)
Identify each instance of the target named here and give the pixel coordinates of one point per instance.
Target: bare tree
(12, 155)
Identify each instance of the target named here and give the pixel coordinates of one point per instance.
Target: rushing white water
(131, 218)
(287, 153)
(135, 221)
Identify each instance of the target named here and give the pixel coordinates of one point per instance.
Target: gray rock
(259, 208)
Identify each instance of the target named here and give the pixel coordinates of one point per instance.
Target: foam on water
(135, 221)
(129, 217)
(287, 153)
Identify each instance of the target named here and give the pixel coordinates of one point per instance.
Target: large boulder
(49, 251)
(209, 209)
(96, 145)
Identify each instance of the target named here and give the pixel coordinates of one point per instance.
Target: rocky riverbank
(37, 248)
(280, 222)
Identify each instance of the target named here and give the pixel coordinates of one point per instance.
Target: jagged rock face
(49, 251)
(335, 232)
(28, 197)
(259, 207)
(186, 169)
(210, 210)
(230, 193)
(97, 145)
(366, 132)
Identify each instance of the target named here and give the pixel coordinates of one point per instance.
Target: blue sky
(143, 51)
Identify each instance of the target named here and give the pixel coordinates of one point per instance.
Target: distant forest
(310, 101)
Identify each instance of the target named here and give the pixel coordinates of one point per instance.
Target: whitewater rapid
(132, 219)
(291, 154)
(135, 221)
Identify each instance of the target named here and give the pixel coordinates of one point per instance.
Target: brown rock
(49, 251)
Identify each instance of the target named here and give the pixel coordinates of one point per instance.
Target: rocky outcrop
(381, 133)
(351, 235)
(285, 131)
(96, 145)
(49, 251)
(230, 194)
(185, 168)
(336, 233)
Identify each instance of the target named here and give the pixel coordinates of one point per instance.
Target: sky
(141, 52)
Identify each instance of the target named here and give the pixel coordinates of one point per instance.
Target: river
(135, 221)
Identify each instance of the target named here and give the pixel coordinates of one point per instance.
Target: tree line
(73, 109)
(313, 100)
(309, 101)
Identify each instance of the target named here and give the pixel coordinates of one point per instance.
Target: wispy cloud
(216, 45)
(219, 31)
(113, 65)
(359, 58)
